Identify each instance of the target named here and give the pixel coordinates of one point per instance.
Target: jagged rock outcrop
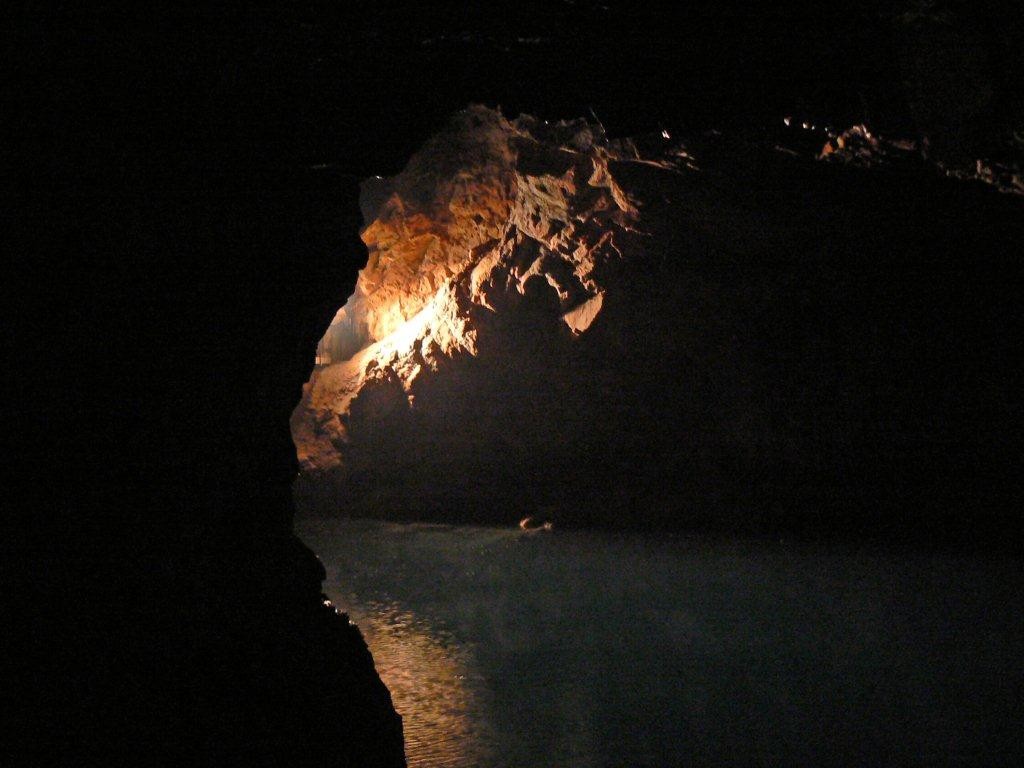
(859, 146)
(489, 207)
(656, 332)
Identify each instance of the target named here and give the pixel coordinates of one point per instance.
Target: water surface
(584, 649)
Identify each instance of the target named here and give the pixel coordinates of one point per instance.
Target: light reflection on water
(511, 650)
(432, 682)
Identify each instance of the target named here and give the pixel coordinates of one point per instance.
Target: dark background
(183, 223)
(359, 84)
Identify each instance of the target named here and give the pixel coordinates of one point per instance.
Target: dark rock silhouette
(192, 620)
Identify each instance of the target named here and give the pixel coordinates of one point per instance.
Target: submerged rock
(664, 332)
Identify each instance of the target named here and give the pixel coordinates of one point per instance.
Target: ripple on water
(432, 686)
(510, 650)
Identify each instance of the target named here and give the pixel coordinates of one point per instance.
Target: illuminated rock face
(494, 220)
(645, 331)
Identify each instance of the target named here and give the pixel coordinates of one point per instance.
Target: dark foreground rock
(184, 620)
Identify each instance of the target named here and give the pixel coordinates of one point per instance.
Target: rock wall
(685, 333)
(188, 619)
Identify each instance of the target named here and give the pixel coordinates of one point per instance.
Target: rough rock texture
(486, 210)
(859, 146)
(709, 332)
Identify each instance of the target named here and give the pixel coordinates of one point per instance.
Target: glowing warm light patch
(407, 333)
